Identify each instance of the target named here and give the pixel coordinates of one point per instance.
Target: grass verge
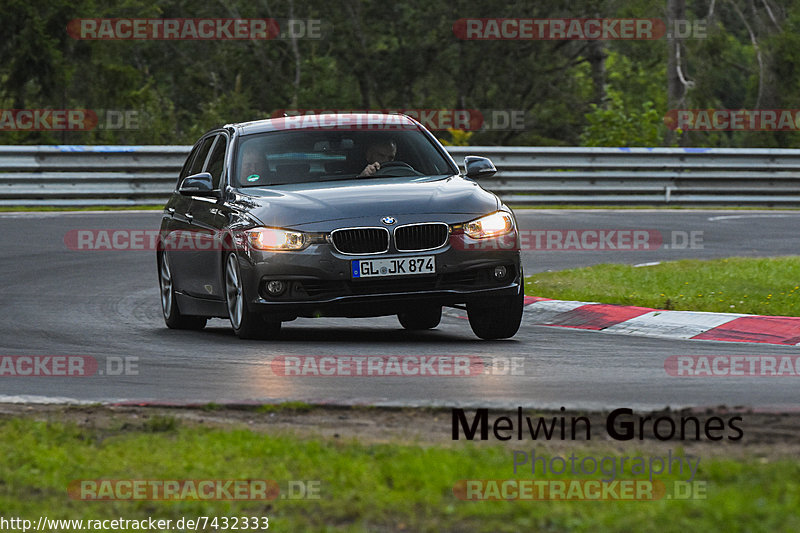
(759, 286)
(363, 486)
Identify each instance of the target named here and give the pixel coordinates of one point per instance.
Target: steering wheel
(390, 164)
(402, 166)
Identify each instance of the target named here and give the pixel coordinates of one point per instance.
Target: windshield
(284, 157)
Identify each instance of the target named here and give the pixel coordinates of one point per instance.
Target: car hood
(310, 203)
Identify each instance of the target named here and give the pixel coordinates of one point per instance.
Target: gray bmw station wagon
(349, 215)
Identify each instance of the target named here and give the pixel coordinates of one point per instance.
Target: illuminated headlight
(493, 225)
(277, 239)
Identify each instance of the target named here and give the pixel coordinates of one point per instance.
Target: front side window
(217, 160)
(200, 158)
(189, 163)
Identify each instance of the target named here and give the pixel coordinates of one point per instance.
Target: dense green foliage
(379, 55)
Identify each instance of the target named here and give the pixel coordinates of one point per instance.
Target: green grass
(761, 286)
(364, 487)
(296, 407)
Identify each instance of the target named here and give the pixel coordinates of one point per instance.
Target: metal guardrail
(88, 175)
(142, 175)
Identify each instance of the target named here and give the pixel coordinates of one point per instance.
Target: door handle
(171, 211)
(189, 216)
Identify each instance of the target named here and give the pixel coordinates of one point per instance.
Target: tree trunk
(676, 91)
(596, 55)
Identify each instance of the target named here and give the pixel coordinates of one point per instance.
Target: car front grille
(360, 240)
(416, 237)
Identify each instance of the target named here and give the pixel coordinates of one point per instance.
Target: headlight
(277, 239)
(493, 225)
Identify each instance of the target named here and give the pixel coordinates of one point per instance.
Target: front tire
(498, 318)
(245, 323)
(425, 318)
(169, 306)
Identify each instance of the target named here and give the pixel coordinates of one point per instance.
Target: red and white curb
(644, 321)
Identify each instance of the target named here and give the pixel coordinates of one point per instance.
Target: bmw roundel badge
(388, 220)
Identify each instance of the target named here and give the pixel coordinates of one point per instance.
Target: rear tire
(245, 323)
(169, 306)
(498, 318)
(425, 318)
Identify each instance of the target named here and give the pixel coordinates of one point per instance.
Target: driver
(377, 153)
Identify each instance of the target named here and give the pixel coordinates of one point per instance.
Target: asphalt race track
(105, 304)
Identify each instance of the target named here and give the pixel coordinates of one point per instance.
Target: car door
(180, 238)
(208, 219)
(177, 203)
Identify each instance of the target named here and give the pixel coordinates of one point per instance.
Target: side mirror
(197, 185)
(479, 167)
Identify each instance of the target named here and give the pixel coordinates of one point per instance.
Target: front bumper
(318, 281)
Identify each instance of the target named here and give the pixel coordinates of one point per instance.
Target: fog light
(276, 287)
(500, 272)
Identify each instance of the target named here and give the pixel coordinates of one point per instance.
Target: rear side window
(217, 160)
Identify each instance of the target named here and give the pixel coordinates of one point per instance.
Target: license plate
(398, 266)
